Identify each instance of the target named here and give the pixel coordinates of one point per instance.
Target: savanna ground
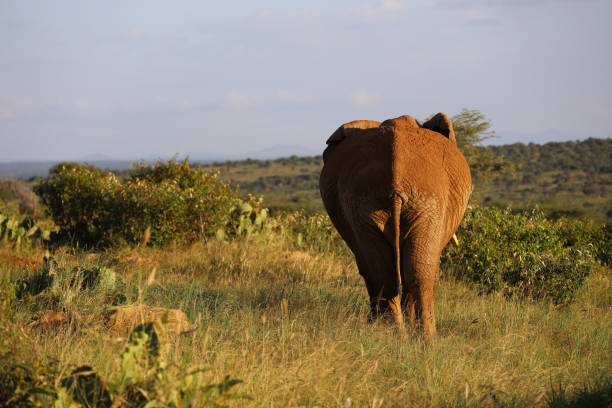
(292, 324)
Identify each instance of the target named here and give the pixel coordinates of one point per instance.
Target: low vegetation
(527, 254)
(21, 230)
(160, 204)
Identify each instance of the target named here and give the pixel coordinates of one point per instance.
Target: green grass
(288, 183)
(293, 326)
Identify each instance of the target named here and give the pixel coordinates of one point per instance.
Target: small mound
(121, 319)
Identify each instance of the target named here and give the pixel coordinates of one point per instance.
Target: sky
(137, 79)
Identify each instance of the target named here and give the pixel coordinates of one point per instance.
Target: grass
(293, 326)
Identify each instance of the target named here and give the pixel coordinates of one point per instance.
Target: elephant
(396, 192)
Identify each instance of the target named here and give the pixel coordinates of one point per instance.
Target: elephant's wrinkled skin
(396, 192)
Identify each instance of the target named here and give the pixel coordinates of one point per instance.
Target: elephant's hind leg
(377, 265)
(419, 268)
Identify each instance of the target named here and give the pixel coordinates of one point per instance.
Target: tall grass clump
(168, 202)
(524, 254)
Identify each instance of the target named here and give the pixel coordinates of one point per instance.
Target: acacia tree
(471, 129)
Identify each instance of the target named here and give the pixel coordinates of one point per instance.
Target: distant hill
(565, 178)
(29, 169)
(591, 155)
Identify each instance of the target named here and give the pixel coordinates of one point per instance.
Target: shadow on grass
(594, 395)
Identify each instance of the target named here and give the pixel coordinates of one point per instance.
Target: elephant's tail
(398, 201)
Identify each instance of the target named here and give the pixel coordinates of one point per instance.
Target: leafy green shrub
(98, 277)
(521, 254)
(16, 232)
(246, 217)
(38, 281)
(79, 200)
(602, 241)
(314, 232)
(168, 202)
(587, 234)
(72, 291)
(147, 379)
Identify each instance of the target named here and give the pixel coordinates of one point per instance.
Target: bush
(245, 218)
(522, 254)
(168, 202)
(315, 232)
(80, 199)
(596, 237)
(602, 240)
(19, 191)
(16, 231)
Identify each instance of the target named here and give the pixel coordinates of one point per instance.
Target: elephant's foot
(429, 329)
(387, 309)
(420, 318)
(409, 310)
(398, 315)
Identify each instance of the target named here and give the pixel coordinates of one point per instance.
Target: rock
(54, 319)
(121, 319)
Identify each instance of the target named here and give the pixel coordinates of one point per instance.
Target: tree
(471, 129)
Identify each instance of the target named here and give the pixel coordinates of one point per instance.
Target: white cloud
(362, 98)
(26, 103)
(241, 100)
(390, 5)
(304, 28)
(504, 3)
(187, 104)
(82, 105)
(478, 17)
(6, 114)
(293, 97)
(135, 33)
(382, 9)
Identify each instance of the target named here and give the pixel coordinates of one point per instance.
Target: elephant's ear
(346, 129)
(442, 124)
(405, 121)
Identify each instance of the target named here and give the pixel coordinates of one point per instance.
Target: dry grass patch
(293, 325)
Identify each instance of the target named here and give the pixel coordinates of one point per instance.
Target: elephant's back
(378, 161)
(432, 159)
(360, 161)
(418, 159)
